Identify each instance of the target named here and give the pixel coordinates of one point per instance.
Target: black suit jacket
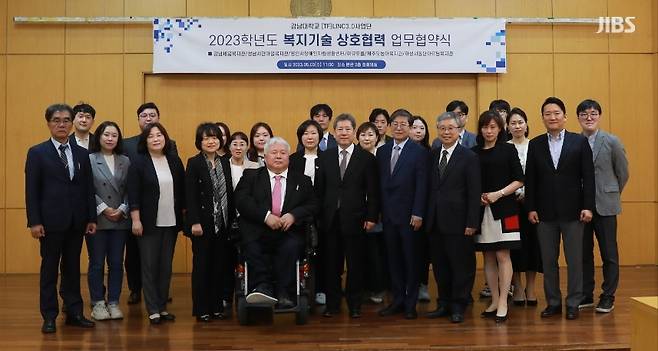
(454, 199)
(72, 140)
(130, 147)
(559, 194)
(253, 198)
(52, 199)
(144, 189)
(297, 162)
(199, 194)
(358, 191)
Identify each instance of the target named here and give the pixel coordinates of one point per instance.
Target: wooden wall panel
(22, 250)
(269, 8)
(646, 21)
(394, 8)
(3, 130)
(33, 83)
(528, 94)
(579, 38)
(3, 252)
(214, 8)
(632, 84)
(97, 80)
(133, 89)
(579, 77)
(352, 8)
(487, 91)
(636, 233)
(83, 39)
(3, 26)
(460, 8)
(138, 37)
(527, 38)
(32, 38)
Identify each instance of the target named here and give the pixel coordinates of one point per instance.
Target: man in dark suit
(146, 113)
(610, 177)
(322, 114)
(559, 195)
(274, 205)
(403, 182)
(453, 216)
(348, 189)
(83, 121)
(61, 208)
(466, 138)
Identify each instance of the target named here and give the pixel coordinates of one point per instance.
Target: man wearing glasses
(466, 138)
(146, 113)
(610, 177)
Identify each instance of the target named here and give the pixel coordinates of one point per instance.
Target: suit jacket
(331, 143)
(404, 192)
(52, 199)
(454, 199)
(72, 140)
(468, 141)
(199, 194)
(130, 147)
(559, 194)
(112, 190)
(610, 173)
(253, 199)
(357, 192)
(144, 189)
(297, 162)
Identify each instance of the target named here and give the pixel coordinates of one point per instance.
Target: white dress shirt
(69, 155)
(450, 151)
(82, 142)
(555, 147)
(309, 166)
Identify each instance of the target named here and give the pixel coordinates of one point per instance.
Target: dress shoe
(218, 315)
(550, 311)
(519, 302)
(79, 321)
(134, 298)
(439, 312)
(390, 310)
(501, 319)
(167, 317)
(155, 321)
(488, 314)
(457, 318)
(531, 302)
(203, 319)
(48, 326)
(411, 314)
(355, 313)
(284, 303)
(572, 313)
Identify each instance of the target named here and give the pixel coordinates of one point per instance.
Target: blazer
(610, 173)
(111, 190)
(357, 193)
(130, 147)
(199, 194)
(52, 199)
(72, 140)
(454, 199)
(560, 194)
(468, 141)
(403, 192)
(331, 143)
(253, 199)
(144, 189)
(297, 162)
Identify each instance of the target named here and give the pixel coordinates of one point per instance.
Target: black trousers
(133, 265)
(351, 246)
(377, 279)
(453, 264)
(605, 229)
(60, 248)
(212, 271)
(271, 259)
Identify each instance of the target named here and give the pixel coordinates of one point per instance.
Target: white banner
(328, 45)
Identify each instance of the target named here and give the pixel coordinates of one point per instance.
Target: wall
(108, 66)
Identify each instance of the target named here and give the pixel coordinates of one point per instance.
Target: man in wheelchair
(273, 205)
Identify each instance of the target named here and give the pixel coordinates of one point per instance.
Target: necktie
(276, 196)
(394, 157)
(323, 144)
(343, 163)
(443, 163)
(63, 158)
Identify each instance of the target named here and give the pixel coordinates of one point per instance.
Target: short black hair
(365, 126)
(304, 126)
(520, 112)
(379, 111)
(345, 117)
(144, 106)
(95, 143)
(402, 113)
(225, 130)
(50, 110)
(587, 104)
(207, 129)
(485, 118)
(141, 144)
(497, 105)
(321, 107)
(84, 108)
(454, 104)
(239, 135)
(252, 153)
(553, 100)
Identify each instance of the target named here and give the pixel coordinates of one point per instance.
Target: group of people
(386, 206)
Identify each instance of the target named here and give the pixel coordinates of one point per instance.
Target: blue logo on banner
(331, 64)
(498, 39)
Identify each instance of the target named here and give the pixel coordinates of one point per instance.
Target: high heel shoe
(529, 302)
(488, 314)
(501, 319)
(521, 302)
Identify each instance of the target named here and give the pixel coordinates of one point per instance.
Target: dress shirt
(350, 151)
(69, 155)
(309, 166)
(450, 151)
(82, 142)
(284, 177)
(591, 139)
(555, 147)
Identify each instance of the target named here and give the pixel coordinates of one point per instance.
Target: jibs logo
(616, 25)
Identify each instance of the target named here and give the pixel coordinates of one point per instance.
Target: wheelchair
(305, 284)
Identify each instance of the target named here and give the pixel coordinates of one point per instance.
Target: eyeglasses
(447, 129)
(399, 125)
(144, 115)
(57, 121)
(585, 115)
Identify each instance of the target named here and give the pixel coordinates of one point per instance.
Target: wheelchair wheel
(243, 316)
(301, 317)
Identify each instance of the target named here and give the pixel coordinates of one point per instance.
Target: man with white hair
(273, 206)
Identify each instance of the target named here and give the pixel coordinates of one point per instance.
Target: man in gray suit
(466, 138)
(610, 176)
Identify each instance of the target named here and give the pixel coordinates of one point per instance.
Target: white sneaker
(320, 298)
(99, 312)
(423, 293)
(115, 312)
